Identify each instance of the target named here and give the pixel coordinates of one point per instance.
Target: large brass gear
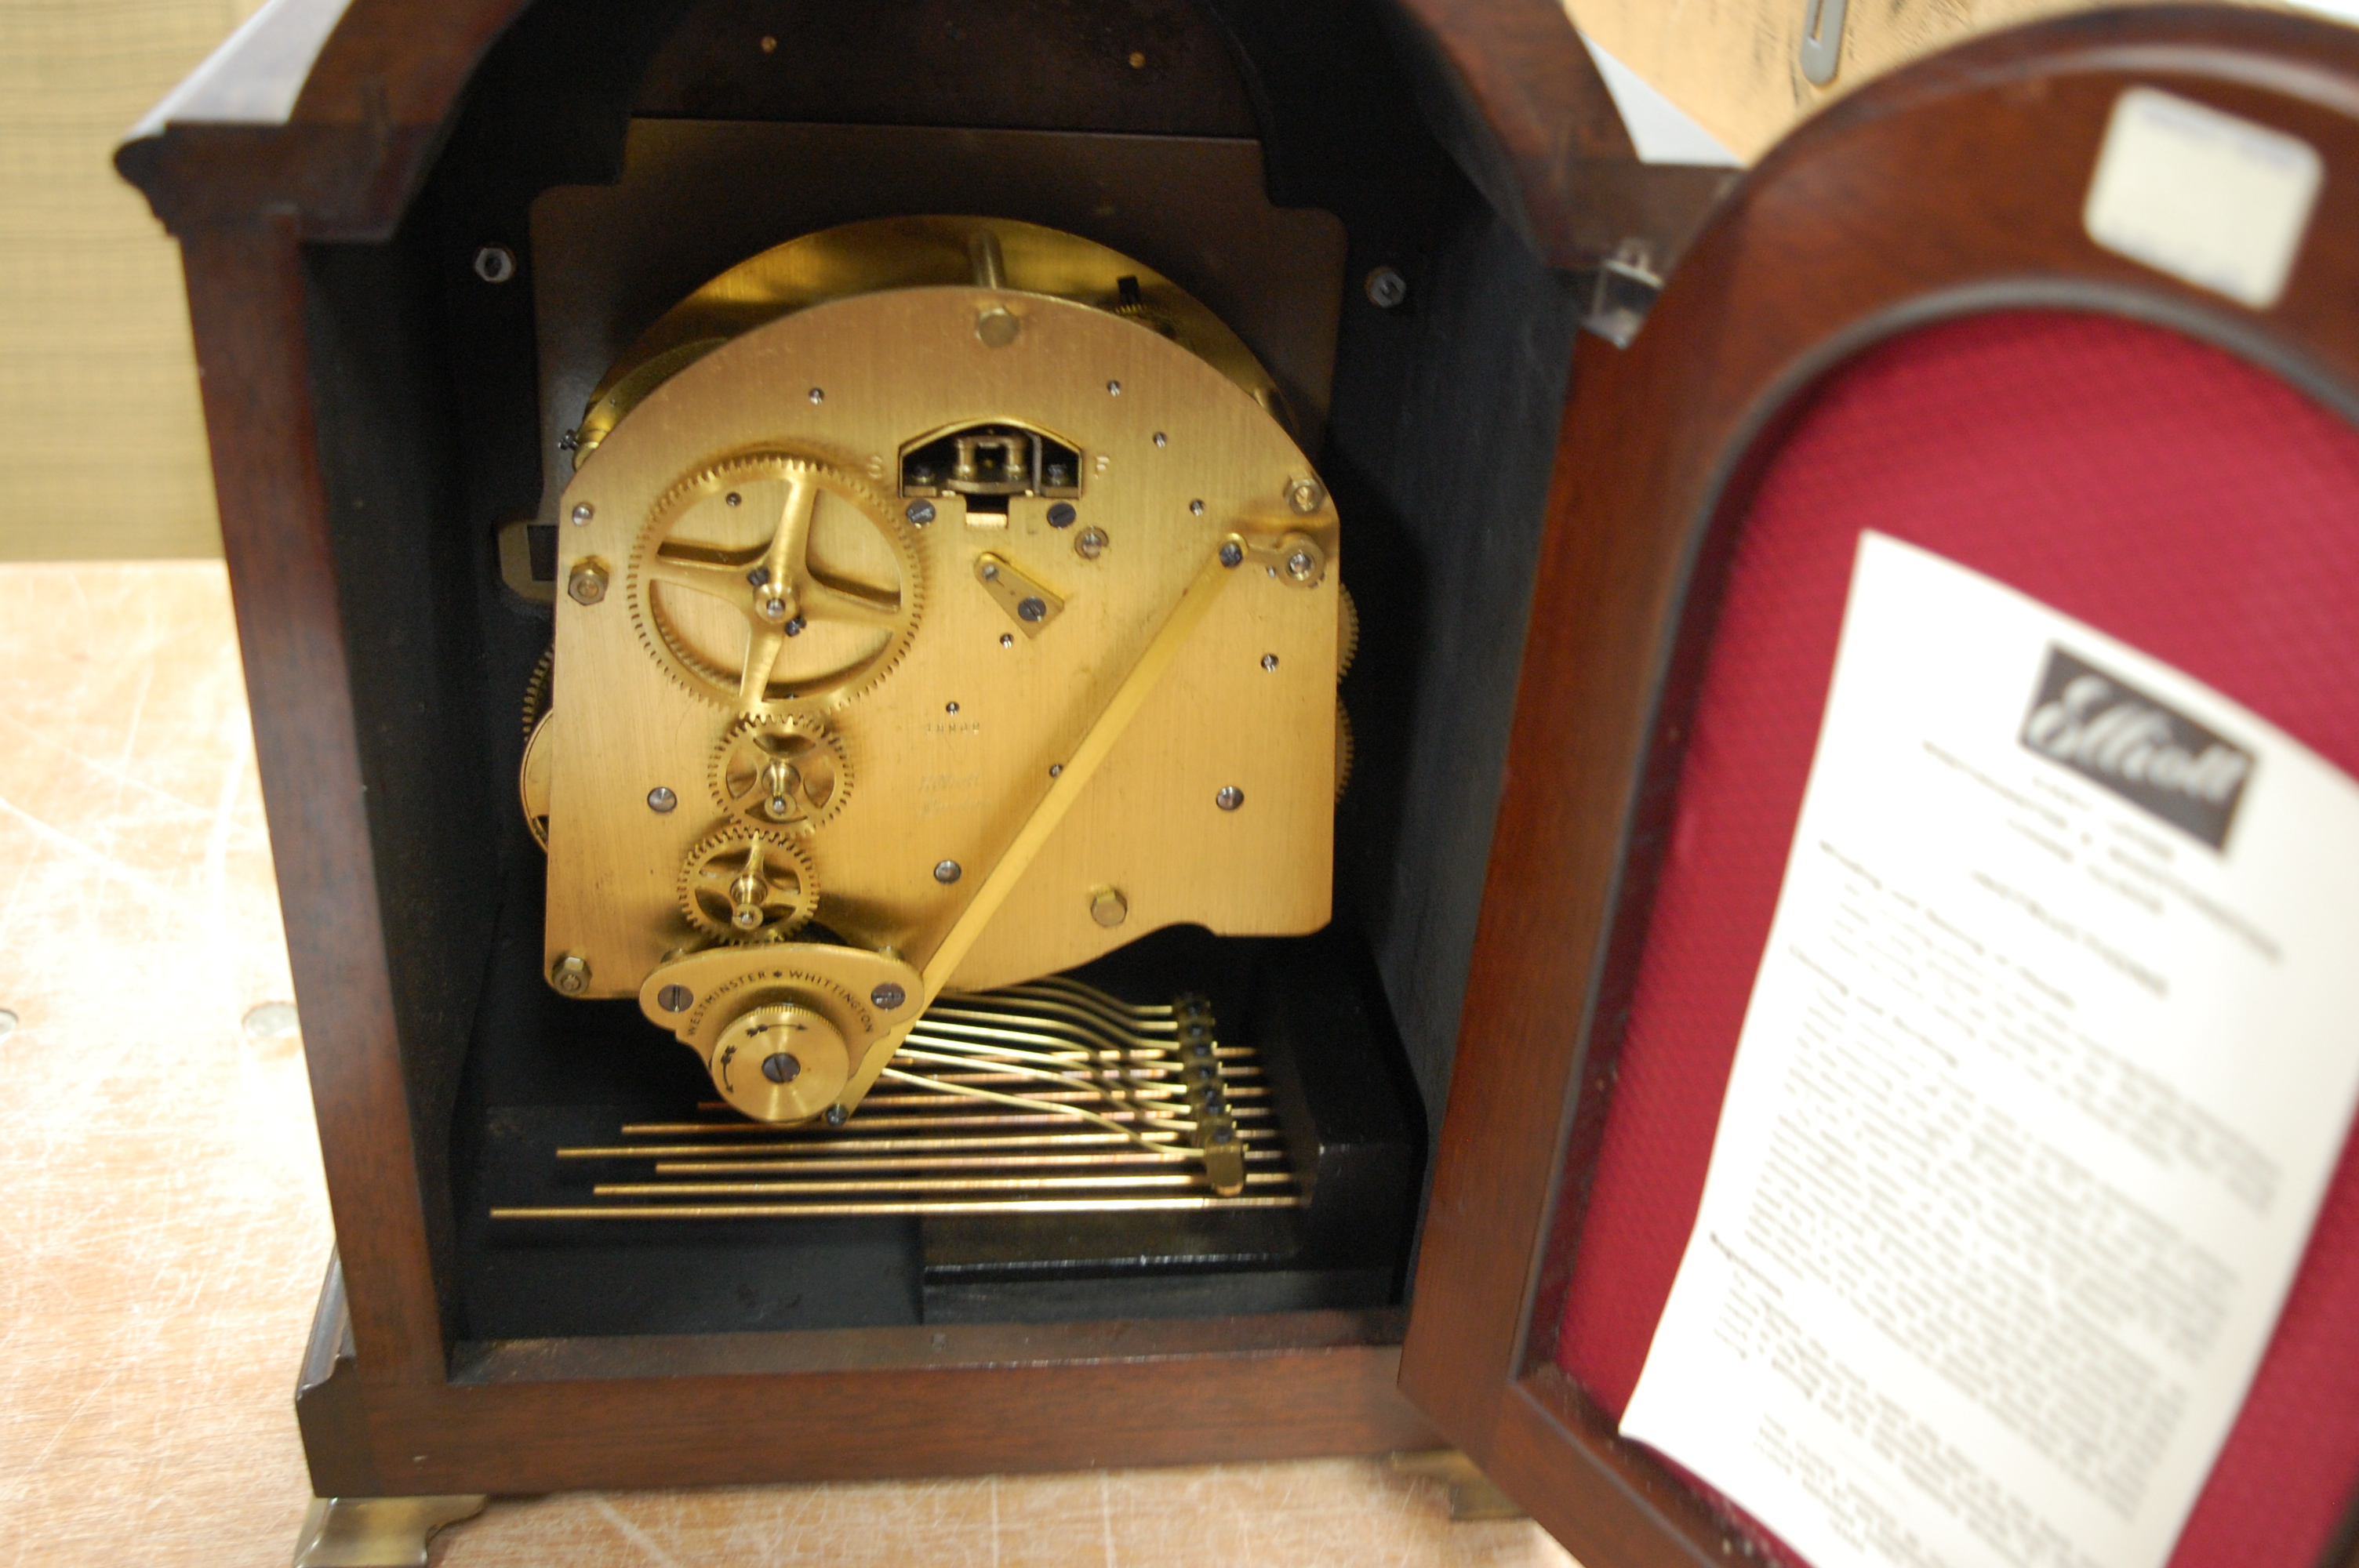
(770, 579)
(745, 886)
(785, 772)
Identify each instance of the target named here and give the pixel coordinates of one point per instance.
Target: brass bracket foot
(377, 1532)
(1471, 1494)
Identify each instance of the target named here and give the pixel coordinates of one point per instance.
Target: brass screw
(1108, 907)
(997, 328)
(1304, 495)
(570, 974)
(587, 585)
(1091, 544)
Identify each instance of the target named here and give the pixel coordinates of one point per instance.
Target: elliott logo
(2154, 757)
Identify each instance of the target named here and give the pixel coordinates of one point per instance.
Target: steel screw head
(675, 999)
(1091, 544)
(817, 396)
(1269, 661)
(496, 264)
(837, 1116)
(795, 627)
(1386, 287)
(921, 512)
(950, 708)
(1305, 495)
(887, 996)
(781, 1068)
(1232, 553)
(1196, 509)
(1108, 907)
(1161, 439)
(1230, 797)
(587, 583)
(733, 499)
(570, 974)
(1299, 566)
(759, 577)
(1031, 609)
(1061, 515)
(774, 609)
(1114, 389)
(1008, 639)
(584, 511)
(1056, 770)
(661, 800)
(947, 872)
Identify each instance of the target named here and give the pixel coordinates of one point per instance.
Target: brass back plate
(950, 747)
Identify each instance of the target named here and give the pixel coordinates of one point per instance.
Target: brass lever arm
(1103, 732)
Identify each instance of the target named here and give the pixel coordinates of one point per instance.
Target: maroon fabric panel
(2153, 486)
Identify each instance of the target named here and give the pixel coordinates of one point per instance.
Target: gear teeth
(779, 855)
(538, 690)
(1347, 631)
(1346, 748)
(706, 681)
(807, 725)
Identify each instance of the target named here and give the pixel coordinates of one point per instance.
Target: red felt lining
(2151, 485)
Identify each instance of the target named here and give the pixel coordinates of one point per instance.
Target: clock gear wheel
(744, 886)
(1347, 631)
(768, 578)
(1344, 748)
(787, 773)
(532, 773)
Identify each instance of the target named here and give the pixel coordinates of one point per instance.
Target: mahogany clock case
(378, 409)
(1932, 219)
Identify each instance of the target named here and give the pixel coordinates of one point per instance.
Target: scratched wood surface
(1735, 65)
(163, 1225)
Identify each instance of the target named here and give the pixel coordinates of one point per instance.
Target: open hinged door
(2075, 307)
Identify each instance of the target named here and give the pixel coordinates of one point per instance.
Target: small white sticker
(2212, 200)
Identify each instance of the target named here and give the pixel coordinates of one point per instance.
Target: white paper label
(2049, 1057)
(2212, 200)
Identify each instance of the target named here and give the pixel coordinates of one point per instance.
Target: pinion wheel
(744, 885)
(770, 578)
(785, 773)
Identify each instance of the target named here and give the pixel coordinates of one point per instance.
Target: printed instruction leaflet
(2049, 1057)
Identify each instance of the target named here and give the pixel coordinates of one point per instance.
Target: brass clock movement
(942, 604)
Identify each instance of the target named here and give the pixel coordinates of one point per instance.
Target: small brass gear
(746, 886)
(769, 578)
(1347, 631)
(787, 773)
(1344, 746)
